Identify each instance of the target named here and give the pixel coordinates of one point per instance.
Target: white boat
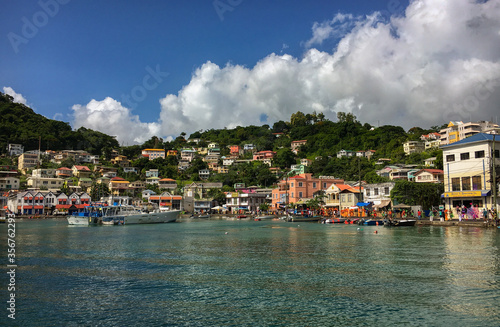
(122, 215)
(77, 220)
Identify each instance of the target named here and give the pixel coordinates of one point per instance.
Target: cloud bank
(18, 97)
(110, 117)
(439, 61)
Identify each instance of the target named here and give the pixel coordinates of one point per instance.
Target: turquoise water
(253, 273)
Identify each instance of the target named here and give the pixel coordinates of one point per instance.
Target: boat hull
(152, 218)
(76, 220)
(404, 222)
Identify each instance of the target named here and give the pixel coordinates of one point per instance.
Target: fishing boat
(264, 217)
(122, 215)
(402, 222)
(372, 222)
(300, 218)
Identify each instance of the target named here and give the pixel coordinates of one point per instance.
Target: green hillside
(19, 124)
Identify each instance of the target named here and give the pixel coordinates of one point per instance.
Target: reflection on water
(247, 273)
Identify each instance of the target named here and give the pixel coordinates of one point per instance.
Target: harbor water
(202, 272)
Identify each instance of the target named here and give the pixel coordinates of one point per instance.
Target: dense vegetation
(19, 124)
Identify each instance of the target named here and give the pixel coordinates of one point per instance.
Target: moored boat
(402, 222)
(122, 215)
(373, 222)
(303, 218)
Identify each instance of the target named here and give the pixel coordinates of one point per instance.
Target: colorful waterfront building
(300, 188)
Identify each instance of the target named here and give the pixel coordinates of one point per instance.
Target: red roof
(82, 168)
(63, 168)
(115, 179)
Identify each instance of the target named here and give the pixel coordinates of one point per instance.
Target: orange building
(299, 188)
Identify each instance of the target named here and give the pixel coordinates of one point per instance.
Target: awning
(363, 204)
(401, 206)
(383, 203)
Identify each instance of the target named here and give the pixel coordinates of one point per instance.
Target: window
(292, 194)
(375, 191)
(367, 192)
(479, 154)
(497, 153)
(291, 185)
(466, 184)
(300, 194)
(464, 156)
(314, 184)
(349, 197)
(450, 157)
(324, 184)
(476, 183)
(300, 184)
(455, 184)
(386, 190)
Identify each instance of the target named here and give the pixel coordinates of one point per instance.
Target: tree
(284, 158)
(346, 117)
(411, 193)
(98, 190)
(264, 207)
(217, 195)
(298, 119)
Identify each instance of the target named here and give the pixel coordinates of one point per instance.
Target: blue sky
(137, 69)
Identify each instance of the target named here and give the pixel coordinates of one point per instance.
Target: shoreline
(481, 223)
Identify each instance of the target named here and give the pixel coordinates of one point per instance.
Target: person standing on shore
(419, 214)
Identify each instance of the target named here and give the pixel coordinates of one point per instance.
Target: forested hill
(324, 137)
(19, 124)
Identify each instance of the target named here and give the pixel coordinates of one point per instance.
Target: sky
(137, 69)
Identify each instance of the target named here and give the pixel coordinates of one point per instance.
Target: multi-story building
(167, 184)
(153, 153)
(413, 147)
(43, 172)
(172, 153)
(295, 146)
(429, 176)
(121, 161)
(341, 196)
(15, 149)
(300, 187)
(187, 155)
(46, 183)
(152, 173)
(204, 174)
(118, 186)
(27, 161)
(64, 172)
(305, 162)
(456, 131)
(235, 150)
(245, 200)
(9, 180)
(167, 200)
(81, 171)
(345, 153)
(468, 168)
(262, 155)
(379, 194)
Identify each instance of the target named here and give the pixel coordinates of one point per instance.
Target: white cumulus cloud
(439, 61)
(110, 117)
(18, 97)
